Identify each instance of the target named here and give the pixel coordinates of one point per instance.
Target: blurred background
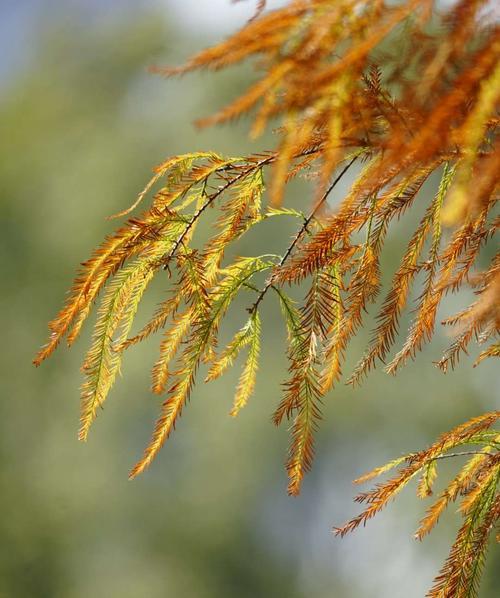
(82, 123)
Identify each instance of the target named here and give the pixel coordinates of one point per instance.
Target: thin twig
(210, 200)
(299, 234)
(214, 196)
(463, 454)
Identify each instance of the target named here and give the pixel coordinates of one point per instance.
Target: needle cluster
(405, 94)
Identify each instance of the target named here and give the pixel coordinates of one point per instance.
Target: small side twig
(462, 454)
(299, 234)
(210, 200)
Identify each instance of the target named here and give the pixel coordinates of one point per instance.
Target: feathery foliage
(475, 486)
(401, 90)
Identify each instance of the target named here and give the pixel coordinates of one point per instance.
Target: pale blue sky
(18, 19)
(213, 17)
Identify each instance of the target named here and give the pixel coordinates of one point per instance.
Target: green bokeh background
(82, 122)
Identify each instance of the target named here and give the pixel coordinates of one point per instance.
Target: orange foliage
(404, 92)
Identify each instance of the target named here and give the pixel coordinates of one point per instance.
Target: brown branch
(461, 454)
(221, 190)
(209, 202)
(299, 234)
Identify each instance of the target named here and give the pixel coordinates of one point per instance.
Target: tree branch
(300, 232)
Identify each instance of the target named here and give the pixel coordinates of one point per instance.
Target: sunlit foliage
(476, 486)
(398, 91)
